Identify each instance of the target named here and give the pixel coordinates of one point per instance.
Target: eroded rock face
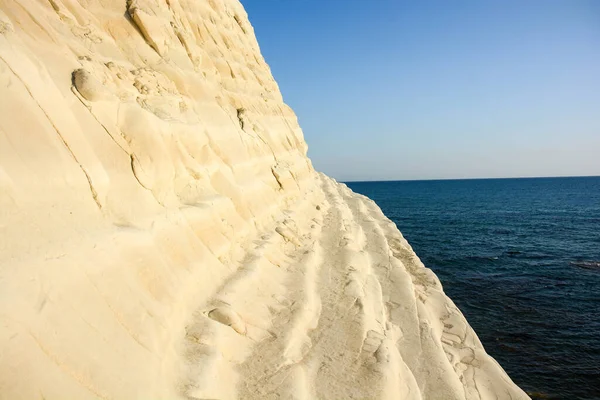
(163, 234)
(229, 317)
(88, 86)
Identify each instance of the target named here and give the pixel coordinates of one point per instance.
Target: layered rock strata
(164, 236)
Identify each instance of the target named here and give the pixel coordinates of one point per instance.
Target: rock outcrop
(163, 234)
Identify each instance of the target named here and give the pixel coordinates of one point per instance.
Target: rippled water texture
(521, 259)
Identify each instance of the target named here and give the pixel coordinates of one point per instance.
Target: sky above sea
(390, 89)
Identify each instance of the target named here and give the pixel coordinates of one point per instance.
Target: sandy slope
(163, 234)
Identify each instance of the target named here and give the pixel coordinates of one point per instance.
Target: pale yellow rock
(227, 316)
(88, 86)
(164, 236)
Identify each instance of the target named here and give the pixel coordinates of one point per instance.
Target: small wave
(502, 231)
(485, 258)
(586, 264)
(527, 255)
(519, 336)
(537, 256)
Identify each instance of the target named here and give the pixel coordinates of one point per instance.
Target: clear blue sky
(391, 89)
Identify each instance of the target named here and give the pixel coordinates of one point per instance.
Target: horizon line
(470, 179)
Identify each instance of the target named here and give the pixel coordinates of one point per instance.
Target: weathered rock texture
(163, 234)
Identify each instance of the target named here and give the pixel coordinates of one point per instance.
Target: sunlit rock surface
(164, 236)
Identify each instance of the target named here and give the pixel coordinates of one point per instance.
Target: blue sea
(521, 259)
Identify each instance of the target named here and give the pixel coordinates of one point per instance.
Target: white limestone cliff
(164, 236)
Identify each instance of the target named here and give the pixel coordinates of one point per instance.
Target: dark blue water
(521, 259)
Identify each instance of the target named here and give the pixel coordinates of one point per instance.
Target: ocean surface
(521, 259)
